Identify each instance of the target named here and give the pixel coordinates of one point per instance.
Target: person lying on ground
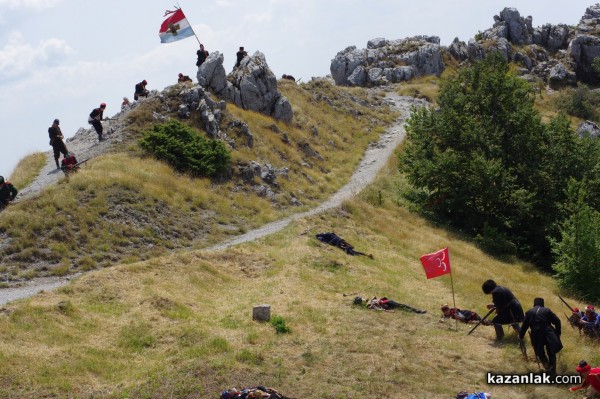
(384, 304)
(466, 316)
(337, 241)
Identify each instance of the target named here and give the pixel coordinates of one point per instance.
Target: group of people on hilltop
(96, 117)
(545, 330)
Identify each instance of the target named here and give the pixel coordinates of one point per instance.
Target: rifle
(481, 321)
(572, 312)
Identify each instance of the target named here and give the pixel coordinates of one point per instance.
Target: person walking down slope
(56, 141)
(202, 55)
(240, 55)
(8, 192)
(545, 334)
(140, 90)
(508, 308)
(95, 119)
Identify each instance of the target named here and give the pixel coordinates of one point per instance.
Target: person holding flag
(508, 308)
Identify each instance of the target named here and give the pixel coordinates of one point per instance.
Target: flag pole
(453, 300)
(178, 6)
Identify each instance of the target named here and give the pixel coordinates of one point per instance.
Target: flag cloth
(437, 263)
(175, 27)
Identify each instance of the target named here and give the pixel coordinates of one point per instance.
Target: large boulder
(590, 20)
(251, 86)
(552, 37)
(583, 49)
(387, 61)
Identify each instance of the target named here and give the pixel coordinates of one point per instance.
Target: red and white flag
(437, 263)
(175, 27)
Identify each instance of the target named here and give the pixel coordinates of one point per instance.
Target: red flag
(175, 27)
(437, 263)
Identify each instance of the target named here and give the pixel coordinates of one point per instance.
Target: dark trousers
(549, 360)
(98, 126)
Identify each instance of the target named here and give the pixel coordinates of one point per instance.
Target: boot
(57, 165)
(499, 331)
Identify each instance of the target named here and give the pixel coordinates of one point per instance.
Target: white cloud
(32, 4)
(18, 57)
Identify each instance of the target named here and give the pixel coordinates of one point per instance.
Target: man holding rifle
(545, 334)
(508, 308)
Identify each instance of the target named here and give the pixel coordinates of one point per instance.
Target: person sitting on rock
(140, 90)
(183, 78)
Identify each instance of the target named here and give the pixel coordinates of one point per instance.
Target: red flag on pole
(437, 263)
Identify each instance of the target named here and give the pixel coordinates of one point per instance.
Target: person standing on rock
(95, 120)
(202, 55)
(56, 141)
(240, 56)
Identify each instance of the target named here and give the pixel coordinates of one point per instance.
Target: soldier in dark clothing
(240, 56)
(56, 141)
(8, 192)
(508, 308)
(545, 333)
(140, 90)
(95, 120)
(202, 55)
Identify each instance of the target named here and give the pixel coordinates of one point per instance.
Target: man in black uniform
(8, 192)
(508, 308)
(95, 120)
(545, 334)
(240, 56)
(56, 141)
(202, 55)
(140, 90)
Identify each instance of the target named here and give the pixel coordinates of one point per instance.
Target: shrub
(278, 322)
(580, 102)
(185, 150)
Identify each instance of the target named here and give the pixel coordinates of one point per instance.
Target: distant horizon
(55, 64)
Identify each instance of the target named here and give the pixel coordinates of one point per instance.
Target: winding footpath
(84, 144)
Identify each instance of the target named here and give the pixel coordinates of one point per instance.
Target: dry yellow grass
(180, 326)
(27, 169)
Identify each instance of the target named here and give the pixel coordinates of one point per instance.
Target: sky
(62, 58)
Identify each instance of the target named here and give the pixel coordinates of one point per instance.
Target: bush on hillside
(185, 150)
(578, 252)
(489, 166)
(580, 102)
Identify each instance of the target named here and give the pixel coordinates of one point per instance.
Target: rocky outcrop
(588, 128)
(251, 86)
(583, 49)
(388, 61)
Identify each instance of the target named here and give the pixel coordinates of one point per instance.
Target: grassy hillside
(126, 206)
(180, 325)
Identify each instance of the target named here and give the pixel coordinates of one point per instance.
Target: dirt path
(85, 144)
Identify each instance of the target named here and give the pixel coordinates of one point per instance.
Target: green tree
(578, 252)
(485, 162)
(186, 150)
